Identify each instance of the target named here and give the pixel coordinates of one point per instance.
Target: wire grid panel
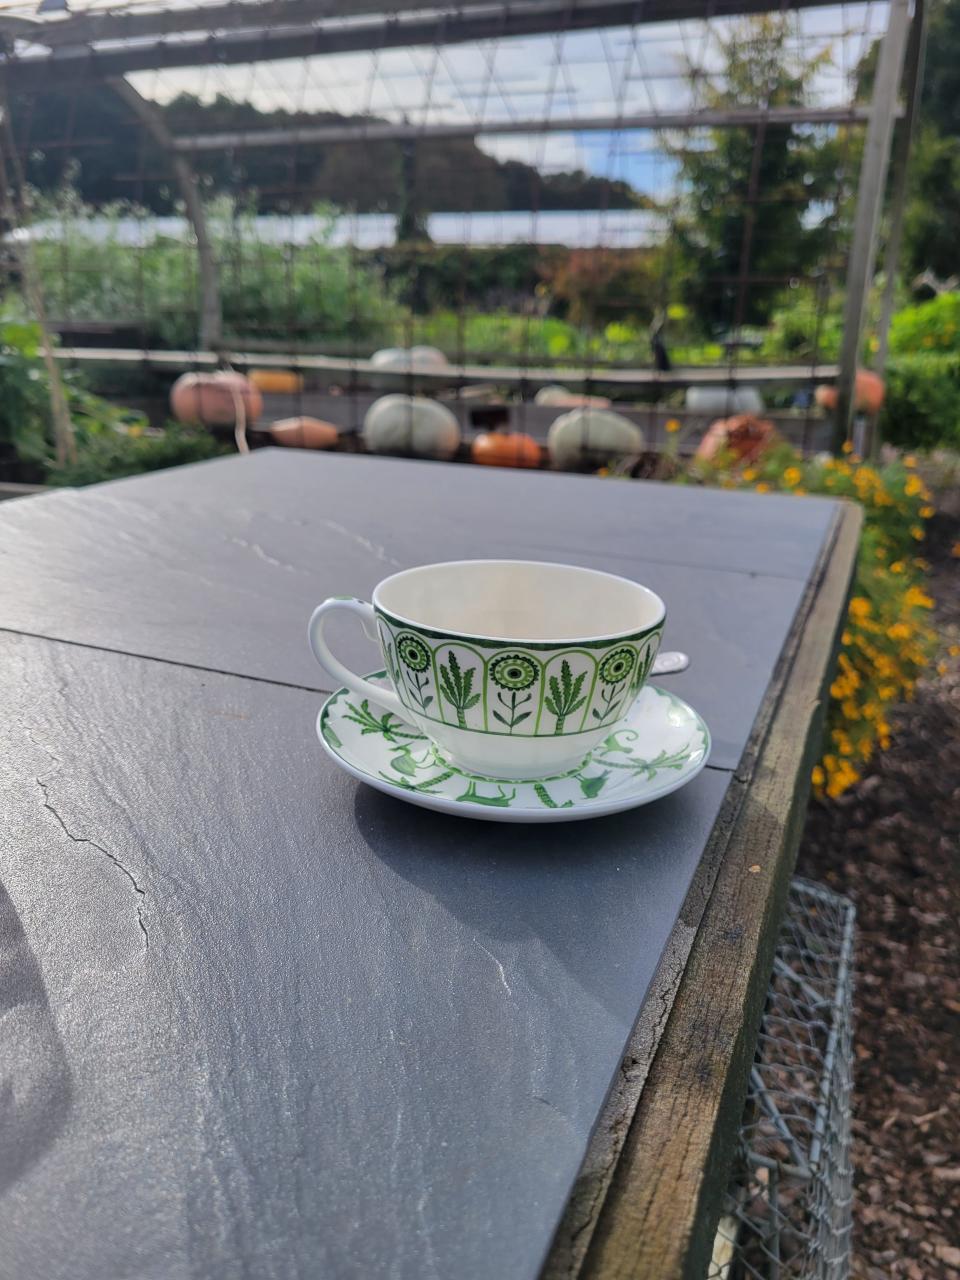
(787, 1214)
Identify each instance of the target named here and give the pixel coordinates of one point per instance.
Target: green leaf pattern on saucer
(661, 744)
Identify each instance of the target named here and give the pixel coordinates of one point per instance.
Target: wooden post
(913, 84)
(873, 178)
(211, 317)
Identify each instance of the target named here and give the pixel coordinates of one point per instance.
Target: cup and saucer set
(512, 691)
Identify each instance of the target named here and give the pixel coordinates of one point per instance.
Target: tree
(748, 194)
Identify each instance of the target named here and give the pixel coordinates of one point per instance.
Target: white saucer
(660, 745)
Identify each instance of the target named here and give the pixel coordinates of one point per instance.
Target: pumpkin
(407, 359)
(277, 382)
(728, 401)
(210, 398)
(868, 392)
(557, 397)
(305, 433)
(745, 436)
(411, 424)
(592, 435)
(505, 449)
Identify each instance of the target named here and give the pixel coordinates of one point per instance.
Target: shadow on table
(579, 887)
(35, 1082)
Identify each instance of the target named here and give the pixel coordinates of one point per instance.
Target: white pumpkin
(592, 435)
(410, 359)
(725, 401)
(557, 397)
(411, 424)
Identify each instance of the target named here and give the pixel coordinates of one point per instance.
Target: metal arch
(276, 37)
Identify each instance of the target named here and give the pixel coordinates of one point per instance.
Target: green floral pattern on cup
(524, 690)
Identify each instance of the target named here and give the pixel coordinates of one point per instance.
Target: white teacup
(515, 669)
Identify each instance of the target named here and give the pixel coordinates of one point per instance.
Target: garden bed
(891, 842)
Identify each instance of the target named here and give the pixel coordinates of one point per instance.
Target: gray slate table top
(219, 565)
(255, 1019)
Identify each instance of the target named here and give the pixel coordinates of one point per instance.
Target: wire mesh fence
(787, 1214)
(469, 199)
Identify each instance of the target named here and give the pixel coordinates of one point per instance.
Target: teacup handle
(341, 674)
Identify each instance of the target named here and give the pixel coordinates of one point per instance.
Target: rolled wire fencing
(787, 1212)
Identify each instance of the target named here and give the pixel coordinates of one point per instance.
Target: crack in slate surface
(141, 893)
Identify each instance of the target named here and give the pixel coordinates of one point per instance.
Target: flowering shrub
(887, 639)
(928, 326)
(922, 405)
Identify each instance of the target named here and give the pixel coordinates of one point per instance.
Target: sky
(609, 72)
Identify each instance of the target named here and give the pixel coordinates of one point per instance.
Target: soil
(892, 844)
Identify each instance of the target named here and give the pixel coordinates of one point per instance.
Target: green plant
(932, 326)
(887, 639)
(24, 401)
(805, 325)
(922, 404)
(113, 265)
(107, 451)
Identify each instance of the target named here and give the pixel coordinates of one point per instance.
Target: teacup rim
(495, 642)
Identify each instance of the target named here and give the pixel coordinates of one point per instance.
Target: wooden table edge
(649, 1194)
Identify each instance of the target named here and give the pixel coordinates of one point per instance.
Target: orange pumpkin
(280, 382)
(305, 433)
(210, 398)
(868, 392)
(505, 449)
(745, 436)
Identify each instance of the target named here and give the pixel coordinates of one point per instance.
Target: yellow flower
(913, 486)
(672, 425)
(818, 777)
(860, 607)
(917, 598)
(792, 476)
(916, 532)
(847, 447)
(762, 488)
(941, 668)
(799, 491)
(897, 566)
(955, 551)
(135, 432)
(909, 460)
(954, 651)
(927, 511)
(874, 343)
(749, 475)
